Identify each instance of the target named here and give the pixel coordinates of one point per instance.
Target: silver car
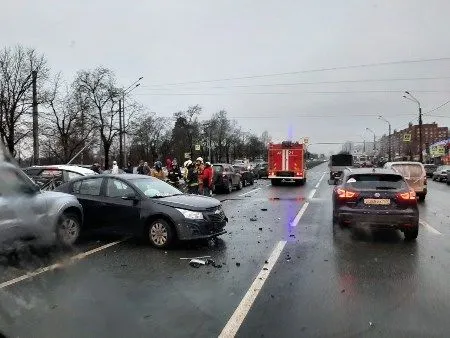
(31, 217)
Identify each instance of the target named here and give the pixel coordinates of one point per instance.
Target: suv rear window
(376, 181)
(409, 170)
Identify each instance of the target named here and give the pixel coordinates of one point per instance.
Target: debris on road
(265, 269)
(200, 257)
(266, 262)
(263, 209)
(253, 219)
(260, 229)
(325, 260)
(196, 263)
(292, 235)
(371, 324)
(343, 290)
(238, 264)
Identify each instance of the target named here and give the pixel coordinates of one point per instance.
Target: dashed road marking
(55, 266)
(236, 320)
(429, 227)
(299, 215)
(320, 180)
(311, 194)
(249, 192)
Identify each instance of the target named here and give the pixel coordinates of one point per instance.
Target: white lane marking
(320, 180)
(55, 266)
(311, 194)
(429, 227)
(236, 320)
(299, 215)
(249, 192)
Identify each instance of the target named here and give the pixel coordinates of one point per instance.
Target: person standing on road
(174, 174)
(200, 167)
(140, 168)
(192, 178)
(146, 169)
(129, 168)
(115, 168)
(207, 179)
(158, 172)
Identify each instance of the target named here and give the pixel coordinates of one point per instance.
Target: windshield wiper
(385, 188)
(158, 196)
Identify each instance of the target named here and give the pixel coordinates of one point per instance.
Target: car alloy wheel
(159, 233)
(68, 229)
(239, 187)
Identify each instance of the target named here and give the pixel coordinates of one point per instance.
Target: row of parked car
(438, 173)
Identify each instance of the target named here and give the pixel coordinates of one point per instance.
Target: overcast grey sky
(187, 41)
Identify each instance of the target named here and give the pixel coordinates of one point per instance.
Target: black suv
(379, 198)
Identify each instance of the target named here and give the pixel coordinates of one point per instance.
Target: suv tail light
(348, 195)
(407, 197)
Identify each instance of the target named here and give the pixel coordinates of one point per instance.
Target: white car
(48, 177)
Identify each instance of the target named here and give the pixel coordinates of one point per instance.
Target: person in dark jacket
(129, 168)
(140, 168)
(192, 178)
(174, 174)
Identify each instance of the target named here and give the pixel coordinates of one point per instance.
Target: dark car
(226, 178)
(247, 176)
(430, 169)
(146, 207)
(378, 198)
(261, 170)
(440, 174)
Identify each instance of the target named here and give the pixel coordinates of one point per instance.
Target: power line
(399, 91)
(309, 71)
(311, 83)
(312, 116)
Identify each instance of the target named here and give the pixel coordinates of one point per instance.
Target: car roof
(352, 171)
(76, 169)
(126, 177)
(403, 162)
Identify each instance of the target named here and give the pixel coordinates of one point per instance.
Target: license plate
(377, 201)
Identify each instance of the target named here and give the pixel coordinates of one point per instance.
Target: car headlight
(191, 214)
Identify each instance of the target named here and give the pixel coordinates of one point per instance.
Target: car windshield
(444, 167)
(375, 181)
(154, 188)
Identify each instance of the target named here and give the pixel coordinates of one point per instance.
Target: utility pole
(35, 120)
(121, 159)
(390, 148)
(420, 136)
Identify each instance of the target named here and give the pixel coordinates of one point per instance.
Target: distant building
(431, 133)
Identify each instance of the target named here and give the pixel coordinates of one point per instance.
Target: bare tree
(68, 124)
(16, 66)
(98, 89)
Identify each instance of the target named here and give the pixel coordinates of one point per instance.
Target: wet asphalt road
(326, 282)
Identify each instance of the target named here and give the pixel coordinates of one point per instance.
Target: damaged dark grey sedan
(146, 207)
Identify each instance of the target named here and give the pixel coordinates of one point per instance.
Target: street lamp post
(122, 144)
(413, 99)
(389, 137)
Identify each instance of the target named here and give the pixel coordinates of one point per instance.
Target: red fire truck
(287, 162)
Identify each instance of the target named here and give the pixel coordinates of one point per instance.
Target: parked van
(415, 175)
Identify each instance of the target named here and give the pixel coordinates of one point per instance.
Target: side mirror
(130, 197)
